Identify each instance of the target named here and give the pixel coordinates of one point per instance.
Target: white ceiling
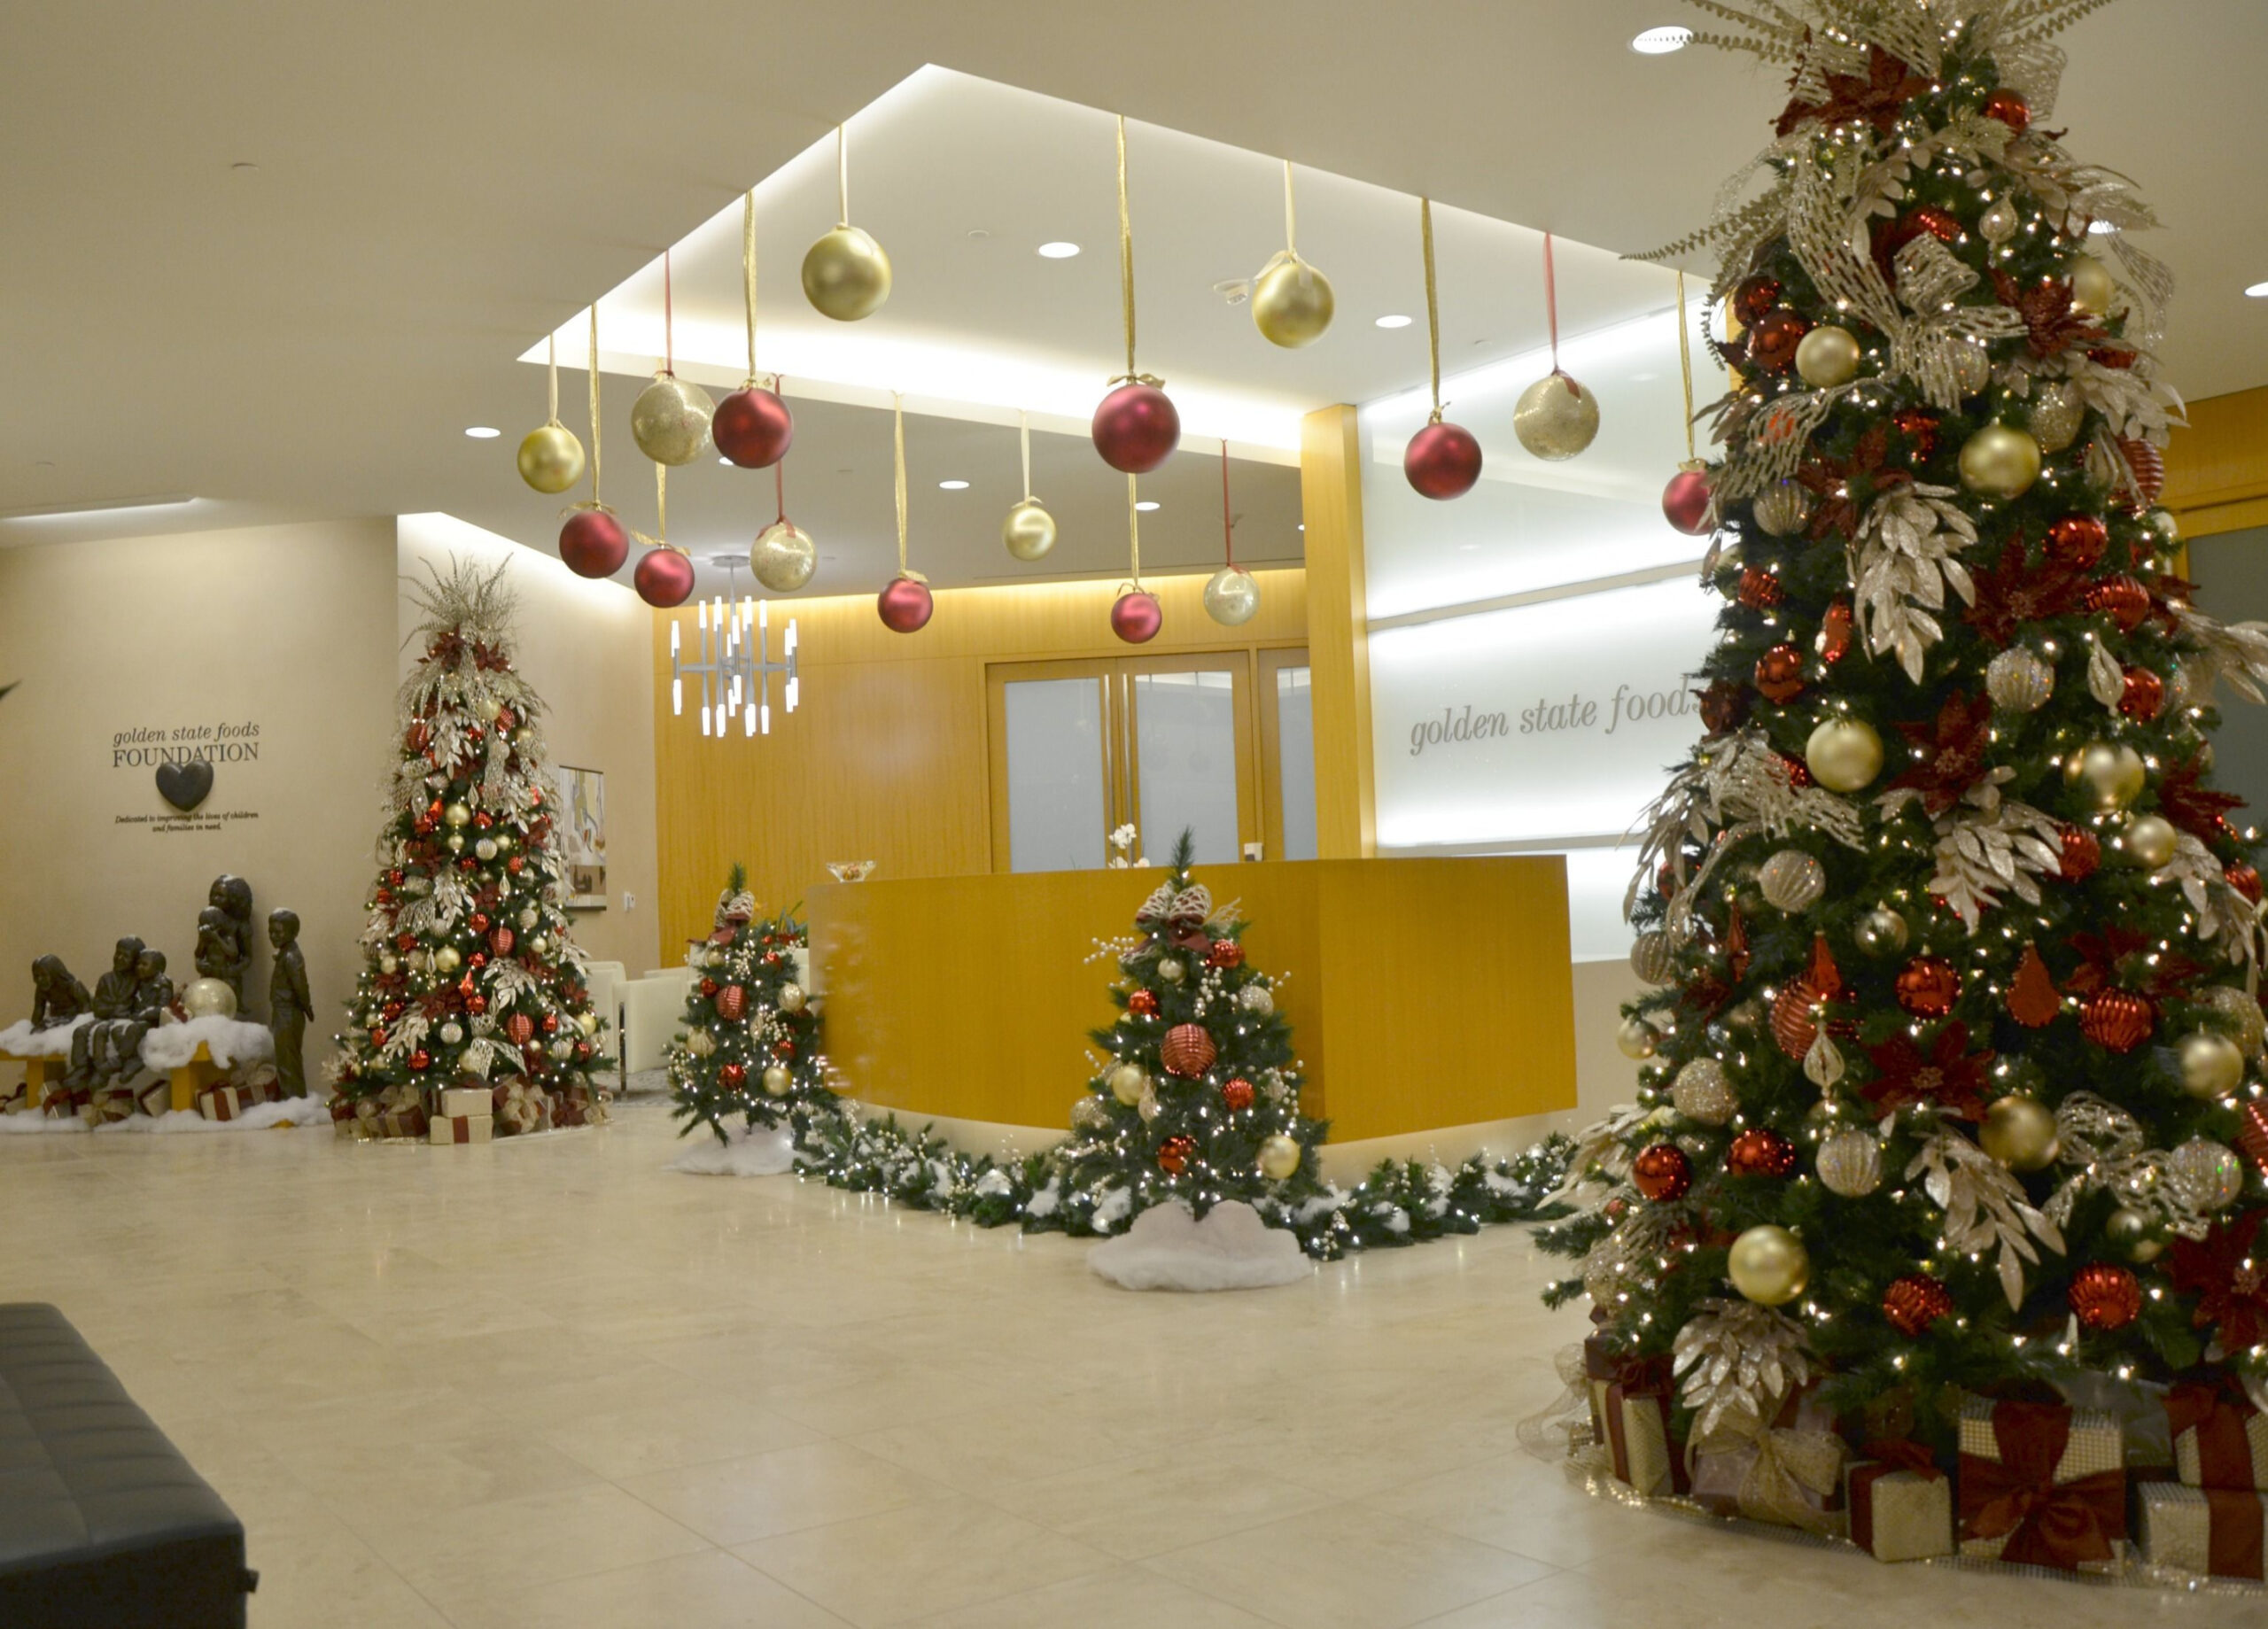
(438, 186)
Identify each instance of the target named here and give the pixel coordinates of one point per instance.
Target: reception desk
(1422, 993)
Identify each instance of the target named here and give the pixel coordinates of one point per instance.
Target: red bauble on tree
(1685, 503)
(2244, 879)
(1754, 298)
(1760, 1151)
(1928, 986)
(731, 1002)
(1224, 953)
(421, 1060)
(1940, 224)
(1772, 343)
(1915, 1302)
(664, 578)
(1780, 673)
(2034, 999)
(594, 544)
(905, 605)
(501, 941)
(753, 428)
(1235, 1095)
(2123, 600)
(1442, 461)
(1143, 1003)
(1662, 1172)
(1187, 1051)
(2082, 854)
(1920, 427)
(520, 1028)
(2118, 1020)
(2142, 695)
(2149, 465)
(1137, 616)
(2105, 1297)
(1760, 591)
(2077, 541)
(1174, 1154)
(2009, 108)
(733, 1076)
(1137, 428)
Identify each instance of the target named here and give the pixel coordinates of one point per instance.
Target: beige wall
(272, 626)
(586, 648)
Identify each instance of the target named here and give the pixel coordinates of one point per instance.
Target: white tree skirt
(762, 1152)
(1168, 1248)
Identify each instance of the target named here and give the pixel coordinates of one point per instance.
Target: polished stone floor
(553, 1384)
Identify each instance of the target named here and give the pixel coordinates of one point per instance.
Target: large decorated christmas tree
(1952, 1066)
(470, 979)
(750, 1052)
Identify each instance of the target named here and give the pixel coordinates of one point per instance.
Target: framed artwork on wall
(582, 836)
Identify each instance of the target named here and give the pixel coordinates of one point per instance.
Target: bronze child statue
(153, 993)
(114, 1000)
(56, 998)
(289, 1005)
(230, 957)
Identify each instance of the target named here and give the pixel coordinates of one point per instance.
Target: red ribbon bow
(2047, 1524)
(2223, 1446)
(1903, 1454)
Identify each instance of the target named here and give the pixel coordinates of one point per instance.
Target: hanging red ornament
(1685, 503)
(501, 941)
(1760, 1151)
(2118, 1020)
(520, 1028)
(2252, 1135)
(1760, 591)
(783, 1048)
(475, 1005)
(421, 1060)
(2009, 108)
(1235, 1095)
(2034, 999)
(2149, 465)
(482, 820)
(753, 428)
(906, 605)
(1920, 427)
(594, 544)
(1442, 461)
(2077, 541)
(1834, 641)
(1174, 1154)
(477, 960)
(731, 1002)
(2122, 599)
(1662, 1172)
(1136, 616)
(1772, 343)
(2082, 854)
(1754, 300)
(664, 578)
(2105, 1297)
(406, 941)
(733, 1076)
(1224, 953)
(1187, 1051)
(1940, 224)
(2244, 879)
(1780, 673)
(1913, 1303)
(1798, 772)
(1928, 986)
(2142, 695)
(1143, 1003)
(1135, 428)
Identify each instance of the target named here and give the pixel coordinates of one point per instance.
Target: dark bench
(102, 1521)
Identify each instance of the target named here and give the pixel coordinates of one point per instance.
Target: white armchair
(653, 1012)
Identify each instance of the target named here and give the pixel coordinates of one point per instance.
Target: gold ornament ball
(1292, 302)
(846, 275)
(458, 814)
(1881, 932)
(2206, 1174)
(1850, 1164)
(1556, 418)
(2149, 842)
(208, 998)
(792, 997)
(1769, 1266)
(2000, 462)
(777, 1080)
(1279, 1157)
(1792, 880)
(447, 960)
(589, 1023)
(1128, 1083)
(1782, 510)
(783, 556)
(1170, 969)
(551, 459)
(1972, 368)
(1844, 755)
(2057, 412)
(669, 420)
(1703, 1093)
(2111, 776)
(1635, 1039)
(2239, 1012)
(2093, 290)
(2162, 523)
(1028, 531)
(2212, 1066)
(701, 1043)
(1651, 958)
(2133, 1234)
(1233, 596)
(2019, 1132)
(1827, 356)
(454, 843)
(2019, 681)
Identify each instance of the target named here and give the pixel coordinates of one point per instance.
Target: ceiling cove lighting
(733, 637)
(1057, 250)
(483, 432)
(80, 511)
(1661, 42)
(1393, 320)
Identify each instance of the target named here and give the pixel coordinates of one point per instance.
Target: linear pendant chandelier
(735, 665)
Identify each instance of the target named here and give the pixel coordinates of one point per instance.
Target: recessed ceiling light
(1643, 378)
(1146, 505)
(1661, 42)
(483, 432)
(952, 486)
(1057, 250)
(244, 167)
(2259, 291)
(977, 234)
(1303, 525)
(1393, 320)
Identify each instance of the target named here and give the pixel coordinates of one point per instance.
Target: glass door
(1287, 754)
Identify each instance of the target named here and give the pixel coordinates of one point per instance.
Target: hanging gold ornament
(1703, 1093)
(1844, 755)
(2000, 462)
(1972, 368)
(1127, 1082)
(1791, 880)
(2018, 680)
(1850, 1164)
(783, 556)
(1999, 223)
(669, 418)
(777, 1081)
(1028, 531)
(2212, 1066)
(2206, 1174)
(1769, 1266)
(846, 275)
(1555, 418)
(2112, 776)
(2019, 1132)
(551, 457)
(1292, 303)
(2133, 1234)
(2057, 412)
(1827, 356)
(1880, 932)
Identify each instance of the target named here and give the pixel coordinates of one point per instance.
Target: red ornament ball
(1760, 1151)
(1143, 1003)
(594, 544)
(708, 987)
(2077, 541)
(1685, 503)
(2105, 1297)
(2118, 1020)
(1920, 428)
(1442, 461)
(2082, 854)
(479, 921)
(1174, 1154)
(520, 1028)
(2009, 108)
(2244, 879)
(551, 1023)
(1938, 223)
(2149, 465)
(905, 605)
(1780, 672)
(1187, 1051)
(1915, 1302)
(1772, 343)
(733, 1076)
(1662, 1172)
(753, 428)
(2123, 600)
(1136, 617)
(664, 578)
(2142, 695)
(517, 863)
(1754, 300)
(1927, 985)
(731, 1002)
(501, 941)
(1235, 1095)
(421, 1060)
(1224, 953)
(1137, 428)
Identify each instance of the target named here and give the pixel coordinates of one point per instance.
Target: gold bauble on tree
(1703, 1092)
(1850, 1163)
(1556, 418)
(1844, 755)
(2093, 290)
(1972, 368)
(2133, 1234)
(2000, 462)
(1127, 1082)
(1279, 1157)
(2149, 842)
(1827, 356)
(777, 1080)
(783, 556)
(2057, 412)
(2212, 1066)
(2111, 775)
(1769, 1266)
(1783, 509)
(669, 420)
(1292, 302)
(551, 459)
(1233, 596)
(846, 275)
(1028, 531)
(1635, 1039)
(2019, 680)
(1880, 932)
(2020, 1133)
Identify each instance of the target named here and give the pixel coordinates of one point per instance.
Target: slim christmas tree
(751, 1047)
(1955, 1042)
(469, 976)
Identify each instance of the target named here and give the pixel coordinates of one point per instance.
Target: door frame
(1269, 662)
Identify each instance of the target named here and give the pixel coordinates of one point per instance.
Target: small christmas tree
(751, 1047)
(1198, 1095)
(470, 977)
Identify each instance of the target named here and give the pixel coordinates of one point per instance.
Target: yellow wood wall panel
(1330, 500)
(2217, 470)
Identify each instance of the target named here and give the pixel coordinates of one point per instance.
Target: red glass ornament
(406, 941)
(550, 1023)
(1938, 223)
(2009, 108)
(1174, 1154)
(2104, 1297)
(475, 1004)
(2244, 879)
(2033, 1000)
(2118, 1020)
(468, 863)
(1760, 591)
(2149, 465)
(477, 960)
(1760, 1151)
(1915, 1302)
(501, 941)
(1235, 1095)
(2122, 599)
(1187, 1051)
(708, 987)
(753, 428)
(594, 544)
(1143, 1003)
(378, 1036)
(1136, 617)
(783, 1049)
(383, 896)
(1798, 772)
(2142, 695)
(516, 865)
(731, 1002)
(664, 578)
(582, 1052)
(1754, 298)
(1224, 953)
(1772, 343)
(1135, 428)
(1795, 1018)
(1662, 1172)
(2082, 854)
(1780, 673)
(733, 1076)
(1921, 428)
(2077, 541)
(905, 605)
(1442, 461)
(521, 1028)
(421, 1060)
(1685, 503)
(483, 820)
(479, 921)
(1928, 986)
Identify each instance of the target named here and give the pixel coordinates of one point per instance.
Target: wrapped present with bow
(1633, 1400)
(258, 1084)
(404, 1122)
(109, 1105)
(2220, 1440)
(2208, 1531)
(2041, 1485)
(220, 1102)
(1787, 1470)
(64, 1103)
(156, 1097)
(520, 1108)
(1900, 1503)
(452, 1128)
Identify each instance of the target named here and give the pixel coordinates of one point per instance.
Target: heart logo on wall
(185, 785)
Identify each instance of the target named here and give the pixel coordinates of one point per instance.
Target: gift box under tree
(1900, 1504)
(1634, 1400)
(2219, 1439)
(2041, 1485)
(2214, 1532)
(1787, 1470)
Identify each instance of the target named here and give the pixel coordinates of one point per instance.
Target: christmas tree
(1197, 1098)
(1954, 1044)
(751, 1047)
(470, 977)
